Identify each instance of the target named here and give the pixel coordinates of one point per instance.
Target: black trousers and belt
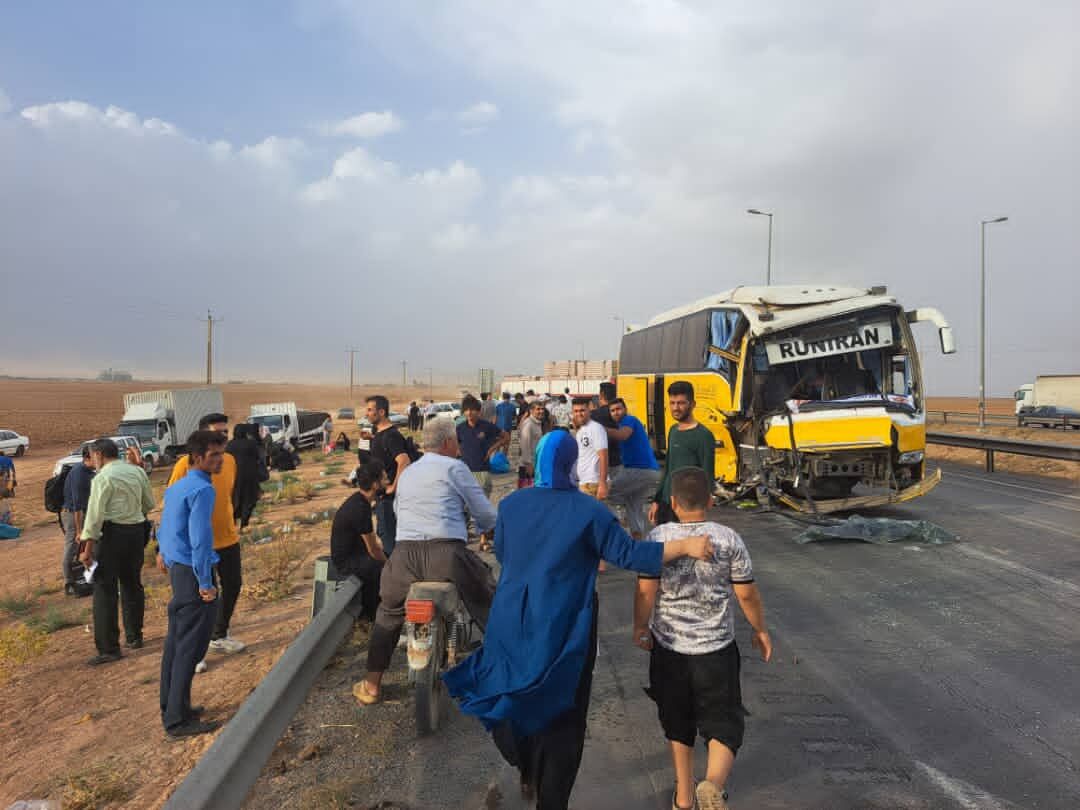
(118, 577)
(549, 761)
(191, 621)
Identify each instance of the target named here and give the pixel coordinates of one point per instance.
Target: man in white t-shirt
(592, 441)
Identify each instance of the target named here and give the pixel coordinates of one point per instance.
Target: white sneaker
(200, 667)
(227, 645)
(710, 797)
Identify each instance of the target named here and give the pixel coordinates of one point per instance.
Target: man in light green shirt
(115, 531)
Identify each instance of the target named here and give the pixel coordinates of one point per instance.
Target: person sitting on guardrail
(433, 494)
(354, 546)
(530, 681)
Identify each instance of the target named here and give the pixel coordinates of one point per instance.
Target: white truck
(1056, 390)
(283, 420)
(163, 420)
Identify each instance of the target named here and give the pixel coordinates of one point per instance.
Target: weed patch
(17, 605)
(18, 645)
(52, 620)
(276, 565)
(97, 786)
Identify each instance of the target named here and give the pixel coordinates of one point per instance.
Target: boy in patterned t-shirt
(684, 618)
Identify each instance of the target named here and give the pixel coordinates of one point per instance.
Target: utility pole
(982, 317)
(404, 366)
(352, 366)
(210, 321)
(768, 261)
(429, 384)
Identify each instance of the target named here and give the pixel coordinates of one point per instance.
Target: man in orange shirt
(226, 540)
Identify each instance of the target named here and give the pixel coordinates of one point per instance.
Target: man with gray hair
(433, 494)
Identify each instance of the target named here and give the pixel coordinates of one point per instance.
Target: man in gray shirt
(530, 431)
(433, 494)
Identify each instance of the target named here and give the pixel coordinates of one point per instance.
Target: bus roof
(784, 306)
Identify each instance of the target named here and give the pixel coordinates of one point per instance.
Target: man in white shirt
(592, 441)
(433, 494)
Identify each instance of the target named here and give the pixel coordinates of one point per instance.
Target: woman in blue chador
(530, 681)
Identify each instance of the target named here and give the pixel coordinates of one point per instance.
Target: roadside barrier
(989, 445)
(1020, 420)
(225, 774)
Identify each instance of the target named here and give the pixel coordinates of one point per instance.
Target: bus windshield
(849, 361)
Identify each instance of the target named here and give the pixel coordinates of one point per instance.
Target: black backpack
(54, 491)
(410, 447)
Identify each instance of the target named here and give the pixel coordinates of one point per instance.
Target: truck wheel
(430, 692)
(148, 464)
(20, 451)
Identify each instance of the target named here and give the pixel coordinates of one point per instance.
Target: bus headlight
(911, 457)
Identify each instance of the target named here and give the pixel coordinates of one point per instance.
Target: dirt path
(93, 737)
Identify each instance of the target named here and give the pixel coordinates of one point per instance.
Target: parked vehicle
(163, 420)
(346, 413)
(438, 633)
(809, 391)
(451, 410)
(397, 419)
(283, 420)
(123, 442)
(1050, 416)
(1060, 390)
(13, 444)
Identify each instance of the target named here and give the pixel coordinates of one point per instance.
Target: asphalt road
(905, 675)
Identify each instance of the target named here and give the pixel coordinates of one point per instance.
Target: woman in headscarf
(251, 471)
(529, 684)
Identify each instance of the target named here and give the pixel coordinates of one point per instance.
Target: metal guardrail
(1019, 420)
(227, 770)
(990, 445)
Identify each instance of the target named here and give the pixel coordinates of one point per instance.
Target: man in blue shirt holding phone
(186, 545)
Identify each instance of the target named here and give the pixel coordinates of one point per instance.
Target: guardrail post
(989, 460)
(944, 417)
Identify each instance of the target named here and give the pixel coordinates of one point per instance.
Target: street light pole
(622, 330)
(982, 317)
(768, 261)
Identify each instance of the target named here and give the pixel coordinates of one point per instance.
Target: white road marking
(986, 479)
(1046, 579)
(967, 796)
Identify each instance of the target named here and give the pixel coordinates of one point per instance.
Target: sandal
(363, 694)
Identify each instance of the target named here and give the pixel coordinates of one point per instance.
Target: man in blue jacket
(530, 682)
(186, 544)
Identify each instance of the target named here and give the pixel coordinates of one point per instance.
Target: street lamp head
(992, 221)
(759, 213)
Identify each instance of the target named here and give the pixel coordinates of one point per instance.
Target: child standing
(685, 620)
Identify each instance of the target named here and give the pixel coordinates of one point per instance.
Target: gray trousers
(633, 488)
(426, 561)
(71, 546)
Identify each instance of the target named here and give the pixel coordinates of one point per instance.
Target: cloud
(273, 152)
(63, 113)
(365, 125)
(478, 116)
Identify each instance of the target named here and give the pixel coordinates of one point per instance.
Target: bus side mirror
(948, 342)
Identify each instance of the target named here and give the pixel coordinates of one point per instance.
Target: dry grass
(274, 569)
(157, 599)
(18, 645)
(55, 619)
(97, 786)
(17, 605)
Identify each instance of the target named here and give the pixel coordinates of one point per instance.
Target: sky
(469, 183)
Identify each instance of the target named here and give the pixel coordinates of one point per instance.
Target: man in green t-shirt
(689, 444)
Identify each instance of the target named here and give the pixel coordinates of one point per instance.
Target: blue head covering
(556, 455)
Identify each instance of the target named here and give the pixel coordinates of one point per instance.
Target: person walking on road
(487, 407)
(602, 416)
(530, 682)
(433, 496)
(592, 442)
(684, 619)
(186, 543)
(114, 535)
(530, 431)
(639, 475)
(388, 447)
(226, 538)
(479, 440)
(505, 413)
(689, 444)
(76, 499)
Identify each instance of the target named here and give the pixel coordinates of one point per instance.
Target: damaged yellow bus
(811, 392)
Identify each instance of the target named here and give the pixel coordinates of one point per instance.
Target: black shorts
(698, 694)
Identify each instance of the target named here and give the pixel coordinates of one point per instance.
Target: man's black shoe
(196, 711)
(191, 728)
(137, 644)
(104, 658)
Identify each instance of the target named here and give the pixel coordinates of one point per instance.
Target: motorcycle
(438, 632)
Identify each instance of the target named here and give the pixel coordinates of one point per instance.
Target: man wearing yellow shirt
(226, 540)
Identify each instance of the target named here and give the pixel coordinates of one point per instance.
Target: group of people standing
(212, 491)
(530, 681)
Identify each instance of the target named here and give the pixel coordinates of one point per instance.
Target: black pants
(549, 761)
(190, 622)
(228, 571)
(369, 572)
(119, 575)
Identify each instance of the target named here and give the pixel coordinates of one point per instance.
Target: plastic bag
(499, 463)
(879, 530)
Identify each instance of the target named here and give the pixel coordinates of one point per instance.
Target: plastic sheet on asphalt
(878, 530)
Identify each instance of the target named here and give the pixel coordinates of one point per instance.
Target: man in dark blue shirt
(505, 412)
(186, 546)
(479, 441)
(76, 498)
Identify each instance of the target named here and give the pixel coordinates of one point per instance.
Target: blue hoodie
(549, 539)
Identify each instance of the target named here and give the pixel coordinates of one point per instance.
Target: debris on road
(879, 531)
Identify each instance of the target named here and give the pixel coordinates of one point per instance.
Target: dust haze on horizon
(468, 186)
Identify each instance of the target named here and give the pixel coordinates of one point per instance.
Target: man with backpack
(395, 453)
(76, 497)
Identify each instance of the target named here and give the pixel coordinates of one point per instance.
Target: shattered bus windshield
(848, 361)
